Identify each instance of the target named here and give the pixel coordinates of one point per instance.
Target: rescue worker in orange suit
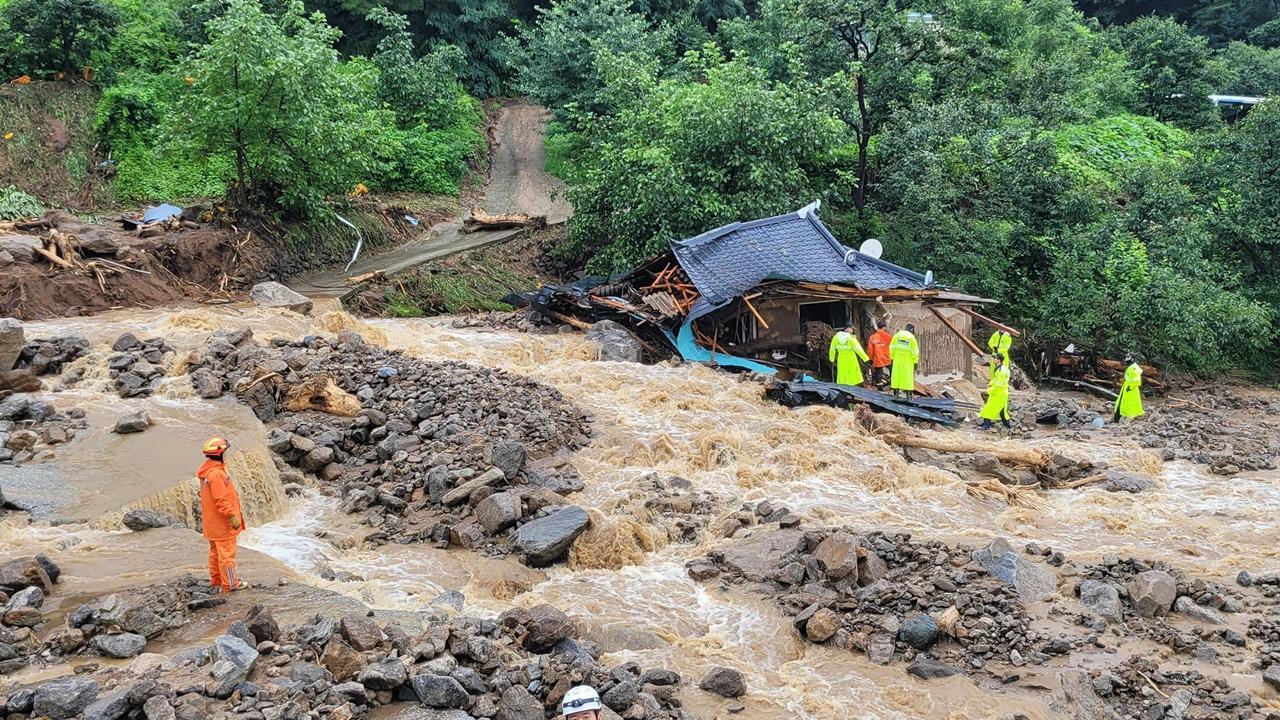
(878, 348)
(221, 515)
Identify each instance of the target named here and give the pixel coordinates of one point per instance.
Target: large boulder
(499, 511)
(547, 539)
(12, 340)
(1102, 599)
(439, 691)
(385, 675)
(25, 572)
(139, 520)
(1033, 582)
(109, 707)
(756, 558)
(65, 697)
(133, 423)
(361, 632)
(725, 682)
(919, 631)
(1153, 592)
(19, 381)
(275, 295)
(547, 625)
(838, 554)
(517, 704)
(1188, 607)
(122, 645)
(617, 344)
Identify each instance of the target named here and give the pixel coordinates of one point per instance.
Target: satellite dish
(871, 247)
(928, 278)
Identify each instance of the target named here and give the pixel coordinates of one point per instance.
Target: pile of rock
(890, 596)
(47, 356)
(517, 667)
(1140, 689)
(1266, 630)
(434, 452)
(1150, 589)
(762, 513)
(24, 584)
(137, 366)
(27, 426)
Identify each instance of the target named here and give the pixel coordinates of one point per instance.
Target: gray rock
(20, 701)
(1271, 675)
(262, 625)
(22, 248)
(235, 651)
(509, 457)
(450, 598)
(930, 669)
(499, 511)
(385, 675)
(207, 384)
(65, 697)
(880, 648)
(439, 691)
(109, 707)
(317, 459)
(1152, 592)
(620, 696)
(517, 704)
(1102, 599)
(12, 340)
(617, 344)
(139, 520)
(133, 423)
(32, 597)
(725, 682)
(361, 632)
(1117, 481)
(1188, 607)
(463, 491)
(1077, 699)
(157, 707)
(1033, 582)
(756, 558)
(122, 645)
(275, 295)
(919, 631)
(547, 539)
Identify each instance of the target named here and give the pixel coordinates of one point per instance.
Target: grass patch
(50, 150)
(456, 288)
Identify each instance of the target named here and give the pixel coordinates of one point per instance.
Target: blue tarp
(160, 212)
(693, 352)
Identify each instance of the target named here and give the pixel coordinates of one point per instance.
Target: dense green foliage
(56, 33)
(1078, 175)
(17, 205)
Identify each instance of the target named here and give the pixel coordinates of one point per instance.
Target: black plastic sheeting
(797, 393)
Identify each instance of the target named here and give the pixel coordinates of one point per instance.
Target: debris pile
(446, 453)
(137, 366)
(1140, 688)
(28, 427)
(517, 666)
(893, 597)
(47, 356)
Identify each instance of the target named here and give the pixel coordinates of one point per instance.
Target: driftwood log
(481, 220)
(895, 432)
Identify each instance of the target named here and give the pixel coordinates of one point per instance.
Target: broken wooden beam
(979, 316)
(963, 338)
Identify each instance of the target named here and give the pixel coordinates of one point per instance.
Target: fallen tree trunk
(481, 220)
(896, 432)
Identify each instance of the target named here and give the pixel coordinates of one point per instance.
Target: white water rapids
(669, 420)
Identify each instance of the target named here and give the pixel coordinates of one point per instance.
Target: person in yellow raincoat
(844, 354)
(1129, 404)
(997, 405)
(999, 344)
(905, 352)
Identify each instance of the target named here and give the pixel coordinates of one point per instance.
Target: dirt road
(518, 184)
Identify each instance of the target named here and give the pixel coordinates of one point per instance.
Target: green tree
(60, 33)
(1172, 69)
(556, 57)
(418, 89)
(1248, 70)
(271, 95)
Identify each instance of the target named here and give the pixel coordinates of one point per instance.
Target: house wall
(940, 350)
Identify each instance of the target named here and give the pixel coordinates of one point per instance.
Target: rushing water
(633, 601)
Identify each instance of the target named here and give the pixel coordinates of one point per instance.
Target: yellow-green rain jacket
(999, 344)
(997, 405)
(844, 353)
(904, 351)
(1130, 401)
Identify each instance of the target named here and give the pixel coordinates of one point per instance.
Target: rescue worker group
(897, 356)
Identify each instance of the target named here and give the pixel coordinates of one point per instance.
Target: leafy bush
(17, 205)
(1095, 153)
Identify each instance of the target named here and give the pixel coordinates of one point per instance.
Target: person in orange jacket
(221, 515)
(878, 348)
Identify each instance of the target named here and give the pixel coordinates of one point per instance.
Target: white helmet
(580, 699)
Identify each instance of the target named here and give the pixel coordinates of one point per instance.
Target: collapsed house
(767, 296)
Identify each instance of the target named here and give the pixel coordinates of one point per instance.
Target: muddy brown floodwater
(634, 599)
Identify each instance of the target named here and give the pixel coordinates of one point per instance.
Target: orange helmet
(216, 446)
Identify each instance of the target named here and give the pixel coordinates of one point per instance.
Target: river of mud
(625, 586)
